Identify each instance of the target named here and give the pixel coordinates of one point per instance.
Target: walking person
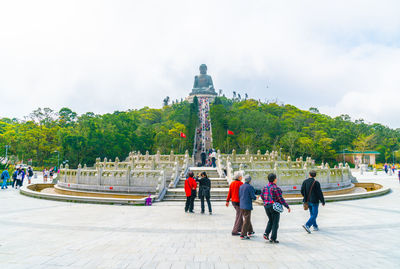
(233, 195)
(246, 195)
(204, 191)
(30, 174)
(5, 176)
(51, 173)
(190, 190)
(20, 177)
(312, 195)
(14, 176)
(45, 175)
(271, 194)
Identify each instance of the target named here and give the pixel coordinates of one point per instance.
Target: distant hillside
(298, 132)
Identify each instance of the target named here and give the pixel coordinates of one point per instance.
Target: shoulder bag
(305, 204)
(276, 206)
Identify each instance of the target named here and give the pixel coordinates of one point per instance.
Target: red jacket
(233, 193)
(190, 184)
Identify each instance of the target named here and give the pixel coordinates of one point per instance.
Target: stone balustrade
(290, 173)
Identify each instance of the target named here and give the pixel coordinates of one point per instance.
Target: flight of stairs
(219, 186)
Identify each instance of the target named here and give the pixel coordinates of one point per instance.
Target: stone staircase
(219, 186)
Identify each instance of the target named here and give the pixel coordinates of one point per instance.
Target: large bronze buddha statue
(203, 83)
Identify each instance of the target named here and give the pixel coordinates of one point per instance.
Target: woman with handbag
(190, 191)
(204, 191)
(273, 202)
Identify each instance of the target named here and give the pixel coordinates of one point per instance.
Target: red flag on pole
(230, 132)
(183, 135)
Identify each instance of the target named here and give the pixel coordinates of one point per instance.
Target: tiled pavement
(47, 234)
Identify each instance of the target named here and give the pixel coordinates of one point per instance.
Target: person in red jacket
(233, 195)
(190, 190)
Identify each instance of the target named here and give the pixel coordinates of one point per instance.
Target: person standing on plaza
(312, 195)
(271, 194)
(233, 195)
(14, 176)
(30, 174)
(45, 175)
(51, 173)
(190, 190)
(5, 176)
(246, 195)
(205, 191)
(20, 177)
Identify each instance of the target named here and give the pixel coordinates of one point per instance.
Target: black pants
(208, 203)
(15, 183)
(189, 203)
(273, 221)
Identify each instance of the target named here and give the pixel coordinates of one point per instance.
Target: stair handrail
(161, 189)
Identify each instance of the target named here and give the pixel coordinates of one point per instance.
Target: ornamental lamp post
(7, 147)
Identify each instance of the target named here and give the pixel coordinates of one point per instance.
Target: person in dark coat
(313, 198)
(203, 158)
(246, 196)
(204, 191)
(14, 177)
(190, 190)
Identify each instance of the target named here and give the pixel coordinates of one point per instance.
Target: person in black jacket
(204, 191)
(312, 194)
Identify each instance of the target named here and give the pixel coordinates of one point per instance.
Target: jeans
(313, 208)
(273, 221)
(213, 162)
(4, 185)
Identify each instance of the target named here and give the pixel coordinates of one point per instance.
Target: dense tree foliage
(269, 126)
(256, 125)
(81, 139)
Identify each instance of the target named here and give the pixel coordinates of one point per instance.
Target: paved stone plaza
(47, 234)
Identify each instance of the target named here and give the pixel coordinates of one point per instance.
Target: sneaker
(316, 229)
(210, 213)
(307, 228)
(251, 233)
(202, 212)
(274, 241)
(245, 237)
(266, 237)
(191, 211)
(234, 234)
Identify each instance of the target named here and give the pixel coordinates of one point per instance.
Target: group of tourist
(18, 177)
(242, 195)
(388, 167)
(191, 191)
(49, 174)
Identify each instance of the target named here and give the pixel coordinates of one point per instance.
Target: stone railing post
(128, 175)
(78, 174)
(99, 175)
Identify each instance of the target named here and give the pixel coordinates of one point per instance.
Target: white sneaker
(316, 229)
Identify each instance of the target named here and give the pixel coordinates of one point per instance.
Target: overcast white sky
(100, 56)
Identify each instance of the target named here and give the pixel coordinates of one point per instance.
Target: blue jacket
(246, 195)
(5, 175)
